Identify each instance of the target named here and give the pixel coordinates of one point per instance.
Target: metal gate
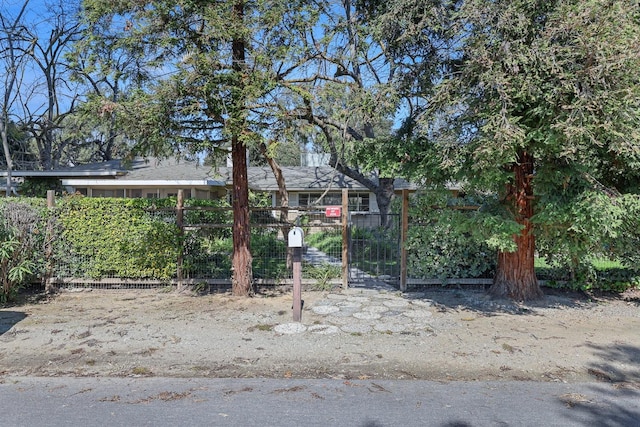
(374, 251)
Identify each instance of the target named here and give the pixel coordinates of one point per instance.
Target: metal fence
(350, 249)
(205, 256)
(374, 251)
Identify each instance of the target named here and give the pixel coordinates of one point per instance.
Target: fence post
(404, 231)
(180, 224)
(51, 199)
(345, 238)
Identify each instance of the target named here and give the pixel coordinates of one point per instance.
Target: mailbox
(296, 237)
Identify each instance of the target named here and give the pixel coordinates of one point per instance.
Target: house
(306, 184)
(159, 178)
(153, 178)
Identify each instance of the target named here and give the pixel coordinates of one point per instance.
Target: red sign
(333, 212)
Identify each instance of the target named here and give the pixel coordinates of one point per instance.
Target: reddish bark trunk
(242, 277)
(515, 274)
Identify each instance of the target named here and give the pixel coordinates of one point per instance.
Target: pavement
(364, 310)
(47, 402)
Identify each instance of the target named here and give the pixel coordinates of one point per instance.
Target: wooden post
(297, 284)
(345, 238)
(403, 240)
(295, 243)
(180, 224)
(51, 198)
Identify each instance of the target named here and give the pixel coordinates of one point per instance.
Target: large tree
(112, 75)
(12, 58)
(52, 96)
(352, 98)
(538, 103)
(219, 67)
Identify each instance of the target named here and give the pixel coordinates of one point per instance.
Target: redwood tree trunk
(515, 274)
(242, 277)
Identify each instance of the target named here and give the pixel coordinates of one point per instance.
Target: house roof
(180, 172)
(300, 178)
(107, 169)
(169, 172)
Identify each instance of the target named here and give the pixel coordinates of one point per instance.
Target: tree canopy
(538, 105)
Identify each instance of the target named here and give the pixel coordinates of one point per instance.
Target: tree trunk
(284, 200)
(515, 274)
(242, 278)
(384, 195)
(4, 130)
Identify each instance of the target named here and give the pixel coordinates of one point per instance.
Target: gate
(374, 251)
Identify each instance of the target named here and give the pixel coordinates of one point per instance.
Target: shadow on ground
(618, 363)
(618, 370)
(610, 409)
(479, 301)
(8, 319)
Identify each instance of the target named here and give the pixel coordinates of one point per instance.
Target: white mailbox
(296, 237)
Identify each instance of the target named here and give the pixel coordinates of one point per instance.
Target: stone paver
(363, 311)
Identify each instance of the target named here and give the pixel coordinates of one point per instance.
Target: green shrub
(103, 237)
(269, 256)
(23, 226)
(329, 242)
(323, 274)
(449, 243)
(207, 255)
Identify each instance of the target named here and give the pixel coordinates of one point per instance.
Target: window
(135, 193)
(358, 202)
(202, 194)
(104, 192)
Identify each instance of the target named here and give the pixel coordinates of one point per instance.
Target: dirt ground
(569, 337)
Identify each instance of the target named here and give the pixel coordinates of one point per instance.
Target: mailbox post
(296, 238)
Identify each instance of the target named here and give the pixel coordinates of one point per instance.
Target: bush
(323, 274)
(104, 237)
(23, 232)
(269, 256)
(448, 243)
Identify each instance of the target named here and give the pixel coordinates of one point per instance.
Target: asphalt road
(64, 401)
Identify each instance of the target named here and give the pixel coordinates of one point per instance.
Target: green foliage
(38, 187)
(269, 256)
(115, 237)
(593, 275)
(623, 245)
(445, 242)
(215, 212)
(14, 270)
(23, 225)
(323, 274)
(329, 242)
(207, 255)
(592, 226)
